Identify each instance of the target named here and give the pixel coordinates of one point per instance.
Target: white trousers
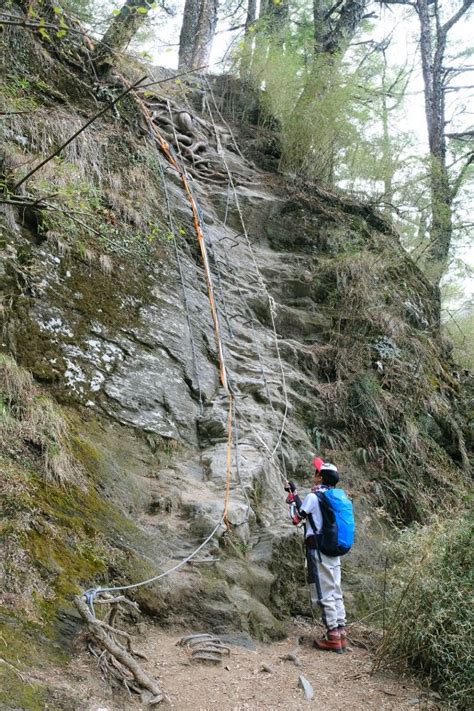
(324, 577)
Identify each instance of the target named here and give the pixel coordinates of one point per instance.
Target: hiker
(329, 532)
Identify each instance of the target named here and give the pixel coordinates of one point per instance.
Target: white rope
(91, 594)
(248, 311)
(271, 301)
(269, 452)
(205, 258)
(183, 286)
(236, 440)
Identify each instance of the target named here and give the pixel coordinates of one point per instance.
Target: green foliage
(330, 109)
(89, 11)
(379, 159)
(460, 329)
(327, 438)
(15, 94)
(311, 103)
(343, 120)
(364, 396)
(430, 614)
(84, 220)
(73, 190)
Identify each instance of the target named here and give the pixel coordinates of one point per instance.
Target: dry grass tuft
(50, 129)
(16, 386)
(135, 176)
(89, 255)
(8, 212)
(114, 181)
(63, 248)
(429, 610)
(132, 216)
(106, 264)
(36, 421)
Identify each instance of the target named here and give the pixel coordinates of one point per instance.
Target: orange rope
(210, 290)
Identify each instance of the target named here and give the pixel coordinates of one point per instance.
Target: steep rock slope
(329, 337)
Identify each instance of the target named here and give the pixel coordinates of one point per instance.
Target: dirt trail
(340, 682)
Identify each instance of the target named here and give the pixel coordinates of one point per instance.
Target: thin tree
(249, 39)
(392, 93)
(334, 27)
(375, 153)
(251, 16)
(433, 40)
(444, 186)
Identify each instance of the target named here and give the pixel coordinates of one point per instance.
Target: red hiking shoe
(330, 643)
(343, 633)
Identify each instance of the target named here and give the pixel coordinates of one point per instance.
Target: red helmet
(318, 463)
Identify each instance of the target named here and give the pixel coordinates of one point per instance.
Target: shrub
(430, 606)
(310, 100)
(461, 331)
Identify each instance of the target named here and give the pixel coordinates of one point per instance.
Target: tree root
(205, 648)
(114, 660)
(190, 136)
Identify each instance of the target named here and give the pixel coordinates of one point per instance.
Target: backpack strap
(317, 536)
(313, 525)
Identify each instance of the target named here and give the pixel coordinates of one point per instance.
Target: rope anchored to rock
(103, 632)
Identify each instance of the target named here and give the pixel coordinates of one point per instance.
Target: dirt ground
(254, 679)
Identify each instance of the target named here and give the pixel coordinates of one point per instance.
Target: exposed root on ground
(205, 647)
(116, 660)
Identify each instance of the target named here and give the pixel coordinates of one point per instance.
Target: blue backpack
(337, 535)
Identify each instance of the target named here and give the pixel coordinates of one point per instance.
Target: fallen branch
(40, 204)
(118, 655)
(100, 113)
(79, 131)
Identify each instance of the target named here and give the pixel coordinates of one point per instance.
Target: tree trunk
(187, 35)
(205, 32)
(197, 33)
(249, 41)
(432, 48)
(387, 160)
(387, 152)
(251, 15)
(319, 24)
(332, 37)
(121, 31)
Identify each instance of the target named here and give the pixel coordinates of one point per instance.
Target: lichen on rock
(120, 335)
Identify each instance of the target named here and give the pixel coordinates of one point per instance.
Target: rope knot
(272, 304)
(90, 596)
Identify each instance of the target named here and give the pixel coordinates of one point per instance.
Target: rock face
(307, 285)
